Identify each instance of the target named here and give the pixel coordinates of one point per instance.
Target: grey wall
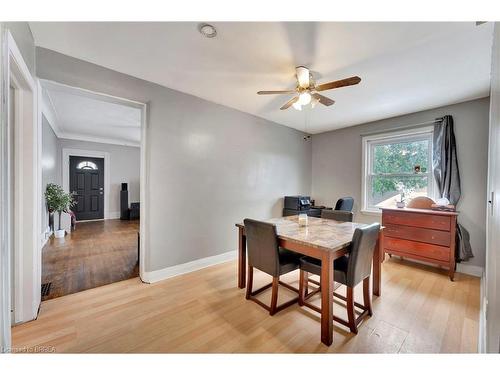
(51, 167)
(336, 164)
(125, 166)
(209, 166)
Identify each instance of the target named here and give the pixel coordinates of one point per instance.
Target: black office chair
(345, 204)
(349, 270)
(336, 215)
(265, 254)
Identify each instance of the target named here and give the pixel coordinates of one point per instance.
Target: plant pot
(59, 233)
(51, 221)
(400, 204)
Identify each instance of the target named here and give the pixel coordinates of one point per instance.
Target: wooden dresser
(425, 235)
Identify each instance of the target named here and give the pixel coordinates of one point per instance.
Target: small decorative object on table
(404, 193)
(443, 204)
(303, 220)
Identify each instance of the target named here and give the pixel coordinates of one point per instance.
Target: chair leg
(367, 296)
(350, 310)
(249, 282)
(274, 296)
(303, 287)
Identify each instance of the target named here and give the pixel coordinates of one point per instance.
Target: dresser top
(421, 211)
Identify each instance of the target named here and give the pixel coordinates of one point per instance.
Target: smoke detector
(207, 30)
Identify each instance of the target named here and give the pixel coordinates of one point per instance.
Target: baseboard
(166, 273)
(113, 215)
(44, 238)
(470, 269)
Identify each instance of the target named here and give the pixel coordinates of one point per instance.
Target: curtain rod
(404, 127)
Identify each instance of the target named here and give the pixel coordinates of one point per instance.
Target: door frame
(67, 152)
(27, 189)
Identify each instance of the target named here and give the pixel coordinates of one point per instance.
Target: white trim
(470, 269)
(368, 140)
(50, 112)
(195, 265)
(26, 187)
(86, 138)
(67, 152)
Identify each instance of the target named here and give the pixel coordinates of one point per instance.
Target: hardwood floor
(96, 254)
(420, 310)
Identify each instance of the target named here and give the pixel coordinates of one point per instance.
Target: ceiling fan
(307, 90)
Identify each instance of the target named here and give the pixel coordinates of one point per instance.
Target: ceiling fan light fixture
(304, 98)
(297, 106)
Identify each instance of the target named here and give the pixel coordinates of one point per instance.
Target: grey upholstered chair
(345, 204)
(265, 254)
(349, 270)
(336, 215)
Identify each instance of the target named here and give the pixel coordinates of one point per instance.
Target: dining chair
(349, 270)
(336, 215)
(345, 204)
(265, 254)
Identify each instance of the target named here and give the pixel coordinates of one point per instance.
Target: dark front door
(86, 179)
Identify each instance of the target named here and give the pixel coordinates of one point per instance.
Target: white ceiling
(82, 115)
(405, 67)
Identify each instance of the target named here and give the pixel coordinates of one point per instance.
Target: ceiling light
(297, 106)
(304, 98)
(207, 30)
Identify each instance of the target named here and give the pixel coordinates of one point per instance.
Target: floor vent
(46, 289)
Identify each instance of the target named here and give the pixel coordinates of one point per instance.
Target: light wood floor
(420, 310)
(95, 254)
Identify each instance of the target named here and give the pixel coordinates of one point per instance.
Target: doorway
(102, 166)
(87, 183)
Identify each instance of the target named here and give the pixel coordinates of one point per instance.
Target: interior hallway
(96, 254)
(420, 310)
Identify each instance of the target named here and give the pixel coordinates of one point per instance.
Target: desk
(322, 239)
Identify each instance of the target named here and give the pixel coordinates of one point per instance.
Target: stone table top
(325, 234)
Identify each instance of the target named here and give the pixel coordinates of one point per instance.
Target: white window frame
(369, 141)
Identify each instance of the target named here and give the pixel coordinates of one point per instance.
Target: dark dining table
(323, 239)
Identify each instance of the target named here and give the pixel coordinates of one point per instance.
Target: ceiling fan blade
(303, 76)
(289, 103)
(276, 92)
(323, 99)
(336, 84)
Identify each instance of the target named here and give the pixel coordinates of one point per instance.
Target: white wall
(336, 164)
(492, 276)
(124, 164)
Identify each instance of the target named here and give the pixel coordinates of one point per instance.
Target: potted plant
(404, 194)
(58, 201)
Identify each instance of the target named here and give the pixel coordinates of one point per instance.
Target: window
(87, 165)
(397, 165)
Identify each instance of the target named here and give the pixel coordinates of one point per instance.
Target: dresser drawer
(432, 236)
(433, 252)
(439, 222)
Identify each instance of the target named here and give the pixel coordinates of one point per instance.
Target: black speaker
(124, 212)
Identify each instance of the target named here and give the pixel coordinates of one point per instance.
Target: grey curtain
(444, 160)
(447, 175)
